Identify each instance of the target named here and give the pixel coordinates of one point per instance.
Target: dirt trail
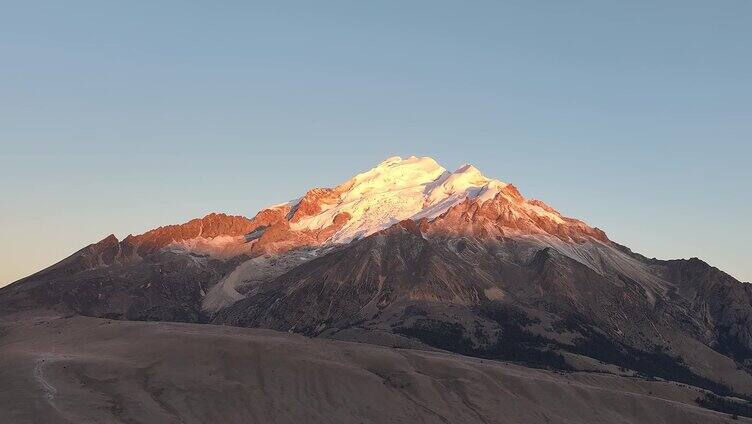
(49, 390)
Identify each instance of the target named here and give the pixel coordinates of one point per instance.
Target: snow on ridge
(393, 174)
(398, 189)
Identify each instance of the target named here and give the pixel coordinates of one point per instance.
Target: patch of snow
(494, 293)
(537, 210)
(224, 293)
(250, 273)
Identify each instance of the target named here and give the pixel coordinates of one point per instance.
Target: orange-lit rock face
(312, 202)
(270, 216)
(509, 214)
(279, 237)
(272, 225)
(511, 192)
(210, 226)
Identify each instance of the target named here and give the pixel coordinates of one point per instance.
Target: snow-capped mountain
(395, 190)
(409, 253)
(412, 188)
(418, 189)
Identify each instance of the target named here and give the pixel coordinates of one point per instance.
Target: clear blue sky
(116, 117)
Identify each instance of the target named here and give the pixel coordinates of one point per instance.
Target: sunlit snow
(398, 189)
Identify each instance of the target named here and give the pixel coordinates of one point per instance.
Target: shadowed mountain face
(507, 299)
(409, 254)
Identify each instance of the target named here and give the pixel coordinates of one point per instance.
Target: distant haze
(117, 118)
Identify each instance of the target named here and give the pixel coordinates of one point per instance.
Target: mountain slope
(410, 254)
(512, 299)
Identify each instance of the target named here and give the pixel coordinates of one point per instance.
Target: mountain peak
(397, 189)
(394, 173)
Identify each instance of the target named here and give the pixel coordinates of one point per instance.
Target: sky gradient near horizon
(635, 117)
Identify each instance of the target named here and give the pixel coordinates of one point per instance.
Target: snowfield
(398, 189)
